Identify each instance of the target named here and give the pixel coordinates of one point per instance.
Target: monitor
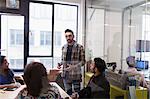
(141, 64)
(111, 64)
(142, 45)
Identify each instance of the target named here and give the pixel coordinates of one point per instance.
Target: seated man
(133, 71)
(98, 84)
(6, 75)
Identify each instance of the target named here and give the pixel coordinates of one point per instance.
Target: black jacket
(100, 87)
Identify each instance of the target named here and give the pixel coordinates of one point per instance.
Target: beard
(69, 40)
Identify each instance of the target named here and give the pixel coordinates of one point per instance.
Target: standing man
(73, 57)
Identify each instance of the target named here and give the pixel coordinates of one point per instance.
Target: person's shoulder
(11, 71)
(23, 94)
(79, 45)
(64, 46)
(53, 91)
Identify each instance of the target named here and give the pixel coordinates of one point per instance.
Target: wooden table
(14, 94)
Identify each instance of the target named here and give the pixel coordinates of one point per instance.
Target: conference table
(14, 94)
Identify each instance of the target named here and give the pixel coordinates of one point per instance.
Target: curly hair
(33, 74)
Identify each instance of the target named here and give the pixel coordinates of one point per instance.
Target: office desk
(11, 94)
(14, 94)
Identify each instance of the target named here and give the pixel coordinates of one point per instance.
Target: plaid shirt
(77, 60)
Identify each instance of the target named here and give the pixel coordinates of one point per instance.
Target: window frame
(24, 11)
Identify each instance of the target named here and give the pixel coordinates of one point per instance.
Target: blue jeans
(69, 86)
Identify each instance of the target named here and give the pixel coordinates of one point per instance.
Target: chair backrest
(116, 79)
(122, 81)
(133, 79)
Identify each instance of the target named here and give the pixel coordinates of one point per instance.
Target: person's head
(98, 65)
(3, 62)
(131, 61)
(33, 76)
(69, 35)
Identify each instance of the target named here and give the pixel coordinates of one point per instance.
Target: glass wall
(115, 28)
(95, 32)
(124, 32)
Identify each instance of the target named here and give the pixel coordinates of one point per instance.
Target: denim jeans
(73, 86)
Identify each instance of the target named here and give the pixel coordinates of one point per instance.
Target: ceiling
(69, 1)
(114, 4)
(111, 4)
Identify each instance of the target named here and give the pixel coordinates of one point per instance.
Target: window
(40, 11)
(16, 63)
(31, 38)
(64, 17)
(12, 40)
(67, 11)
(40, 22)
(16, 37)
(40, 34)
(146, 35)
(46, 61)
(57, 38)
(45, 38)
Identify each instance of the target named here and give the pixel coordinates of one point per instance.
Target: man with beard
(98, 84)
(73, 57)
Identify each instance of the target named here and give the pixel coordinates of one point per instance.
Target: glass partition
(95, 32)
(114, 29)
(125, 33)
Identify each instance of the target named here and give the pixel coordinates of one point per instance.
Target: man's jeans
(68, 86)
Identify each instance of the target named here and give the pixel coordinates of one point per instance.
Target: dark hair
(68, 30)
(33, 77)
(100, 64)
(2, 59)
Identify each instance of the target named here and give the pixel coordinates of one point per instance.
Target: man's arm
(9, 86)
(82, 56)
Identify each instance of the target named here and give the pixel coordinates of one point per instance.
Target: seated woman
(98, 84)
(6, 75)
(35, 77)
(133, 71)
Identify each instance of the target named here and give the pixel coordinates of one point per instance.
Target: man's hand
(59, 66)
(69, 67)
